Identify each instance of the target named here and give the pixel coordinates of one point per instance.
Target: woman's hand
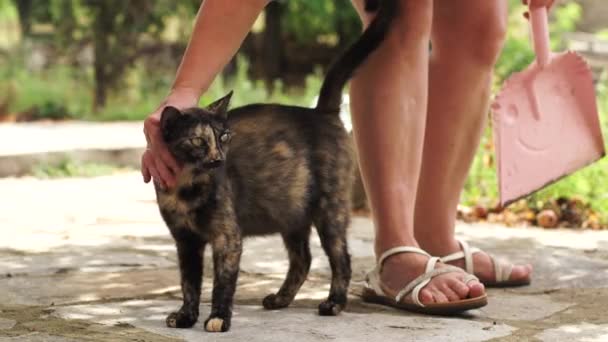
(157, 162)
(536, 4)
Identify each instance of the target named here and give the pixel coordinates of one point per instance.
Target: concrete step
(25, 145)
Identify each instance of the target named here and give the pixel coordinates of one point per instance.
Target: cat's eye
(196, 142)
(225, 137)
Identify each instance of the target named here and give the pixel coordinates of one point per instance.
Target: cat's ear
(220, 107)
(167, 119)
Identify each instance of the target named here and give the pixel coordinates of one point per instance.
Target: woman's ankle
(437, 245)
(382, 244)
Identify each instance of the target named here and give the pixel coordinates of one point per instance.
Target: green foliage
(50, 93)
(564, 21)
(310, 19)
(60, 92)
(602, 34)
(118, 31)
(481, 185)
(70, 168)
(7, 10)
(247, 91)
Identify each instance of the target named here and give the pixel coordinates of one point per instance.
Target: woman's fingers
(157, 161)
(144, 169)
(166, 176)
(156, 176)
(164, 162)
(167, 158)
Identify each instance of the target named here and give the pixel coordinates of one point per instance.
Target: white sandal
(502, 268)
(375, 293)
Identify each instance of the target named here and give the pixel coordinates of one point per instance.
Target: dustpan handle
(540, 34)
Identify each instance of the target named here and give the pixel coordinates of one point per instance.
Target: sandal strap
(373, 277)
(466, 253)
(502, 269)
(469, 278)
(401, 249)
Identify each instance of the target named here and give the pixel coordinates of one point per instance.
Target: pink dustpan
(546, 123)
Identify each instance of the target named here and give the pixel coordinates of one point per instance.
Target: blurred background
(65, 61)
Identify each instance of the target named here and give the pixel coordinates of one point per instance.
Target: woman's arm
(219, 29)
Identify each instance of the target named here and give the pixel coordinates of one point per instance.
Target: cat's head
(198, 136)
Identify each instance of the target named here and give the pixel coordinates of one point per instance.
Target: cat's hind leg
(190, 251)
(297, 245)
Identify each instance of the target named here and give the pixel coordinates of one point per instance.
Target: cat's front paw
(217, 324)
(274, 302)
(330, 308)
(181, 319)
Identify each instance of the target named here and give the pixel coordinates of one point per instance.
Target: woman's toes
(426, 297)
(476, 289)
(460, 288)
(451, 295)
(521, 272)
(439, 296)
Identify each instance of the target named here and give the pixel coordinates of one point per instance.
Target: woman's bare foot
(482, 264)
(400, 269)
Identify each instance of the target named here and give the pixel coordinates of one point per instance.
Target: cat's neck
(195, 174)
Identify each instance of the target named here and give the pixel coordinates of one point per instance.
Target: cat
(262, 169)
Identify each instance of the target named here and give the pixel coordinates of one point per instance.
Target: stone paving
(91, 260)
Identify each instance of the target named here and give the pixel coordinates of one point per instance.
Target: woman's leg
(389, 97)
(467, 41)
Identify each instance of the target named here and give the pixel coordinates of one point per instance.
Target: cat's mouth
(213, 164)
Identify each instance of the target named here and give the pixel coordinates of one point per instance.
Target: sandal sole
(441, 309)
(508, 283)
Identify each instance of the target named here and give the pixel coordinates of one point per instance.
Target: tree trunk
(102, 30)
(24, 8)
(101, 84)
(272, 46)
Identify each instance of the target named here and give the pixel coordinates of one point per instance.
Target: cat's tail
(342, 69)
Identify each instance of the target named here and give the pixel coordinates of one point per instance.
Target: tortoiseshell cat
(261, 169)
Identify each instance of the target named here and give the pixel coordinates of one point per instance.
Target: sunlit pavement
(91, 260)
(23, 146)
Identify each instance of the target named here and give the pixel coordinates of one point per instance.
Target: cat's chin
(205, 166)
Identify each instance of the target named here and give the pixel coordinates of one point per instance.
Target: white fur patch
(198, 130)
(214, 325)
(172, 322)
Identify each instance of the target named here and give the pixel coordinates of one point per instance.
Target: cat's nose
(215, 160)
(216, 157)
